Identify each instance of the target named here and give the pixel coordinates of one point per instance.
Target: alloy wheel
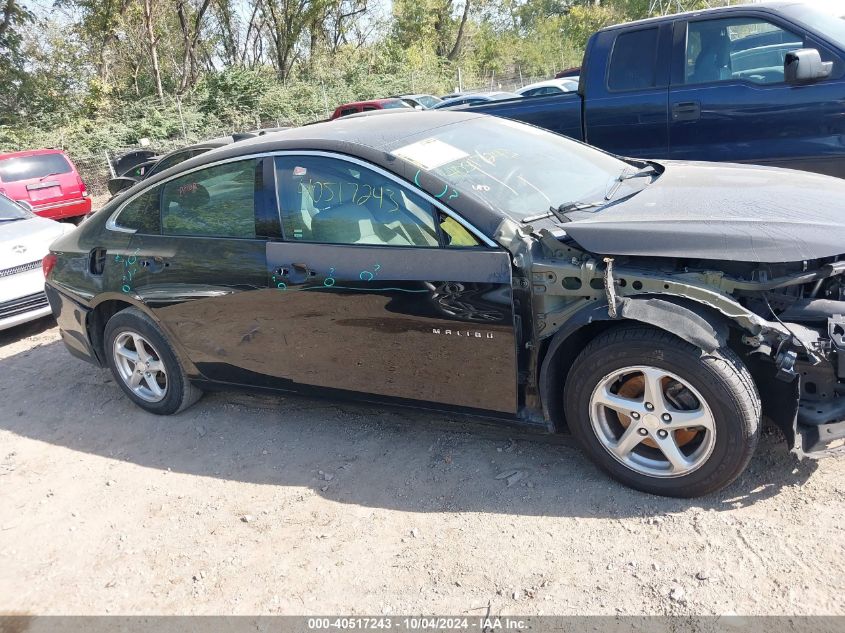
(652, 421)
(140, 366)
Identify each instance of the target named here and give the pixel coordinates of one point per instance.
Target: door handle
(154, 264)
(686, 111)
(295, 273)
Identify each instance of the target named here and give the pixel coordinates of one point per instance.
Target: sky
(834, 7)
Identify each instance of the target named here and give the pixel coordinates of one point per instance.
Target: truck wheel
(661, 415)
(145, 365)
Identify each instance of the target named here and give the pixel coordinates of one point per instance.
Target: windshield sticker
(430, 153)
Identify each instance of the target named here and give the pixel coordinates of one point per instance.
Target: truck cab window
(751, 49)
(633, 62)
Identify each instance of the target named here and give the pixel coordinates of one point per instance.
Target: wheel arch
(104, 309)
(685, 319)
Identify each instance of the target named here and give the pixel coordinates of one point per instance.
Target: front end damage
(785, 320)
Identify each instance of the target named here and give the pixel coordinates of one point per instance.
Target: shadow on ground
(350, 453)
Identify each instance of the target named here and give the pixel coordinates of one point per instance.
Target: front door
(377, 291)
(729, 101)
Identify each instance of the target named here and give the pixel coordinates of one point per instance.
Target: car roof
(714, 11)
(31, 152)
(484, 96)
(366, 137)
(370, 131)
(369, 102)
(550, 82)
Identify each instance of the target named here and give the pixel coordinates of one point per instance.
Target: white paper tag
(430, 153)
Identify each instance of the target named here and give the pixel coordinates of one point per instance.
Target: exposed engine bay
(785, 320)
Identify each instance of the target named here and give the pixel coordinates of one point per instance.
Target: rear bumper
(64, 209)
(72, 318)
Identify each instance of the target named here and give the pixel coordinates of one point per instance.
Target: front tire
(145, 366)
(659, 414)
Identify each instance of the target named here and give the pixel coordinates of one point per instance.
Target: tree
(191, 28)
(152, 44)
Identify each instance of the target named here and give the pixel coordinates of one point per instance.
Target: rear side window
(142, 214)
(633, 62)
(217, 201)
(29, 167)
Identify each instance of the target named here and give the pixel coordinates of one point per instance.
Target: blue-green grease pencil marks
(129, 269)
(452, 195)
(329, 283)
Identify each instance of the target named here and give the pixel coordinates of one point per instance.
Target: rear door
(729, 100)
(627, 89)
(197, 260)
(378, 290)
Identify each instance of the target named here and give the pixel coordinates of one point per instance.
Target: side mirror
(805, 65)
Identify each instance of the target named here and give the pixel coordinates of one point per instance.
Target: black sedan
(456, 261)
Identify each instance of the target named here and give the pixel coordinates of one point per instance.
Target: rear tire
(145, 365)
(659, 414)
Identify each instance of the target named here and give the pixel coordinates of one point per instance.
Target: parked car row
(430, 102)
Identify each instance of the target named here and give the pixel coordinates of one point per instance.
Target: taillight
(47, 264)
(83, 187)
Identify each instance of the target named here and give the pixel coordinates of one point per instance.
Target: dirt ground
(251, 504)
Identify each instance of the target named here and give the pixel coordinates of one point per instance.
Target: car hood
(28, 240)
(722, 212)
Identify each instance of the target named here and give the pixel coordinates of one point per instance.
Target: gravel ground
(251, 504)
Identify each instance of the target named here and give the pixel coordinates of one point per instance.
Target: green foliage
(233, 91)
(89, 85)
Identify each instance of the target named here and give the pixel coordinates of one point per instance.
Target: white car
(550, 87)
(25, 239)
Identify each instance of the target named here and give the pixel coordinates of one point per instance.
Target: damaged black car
(658, 311)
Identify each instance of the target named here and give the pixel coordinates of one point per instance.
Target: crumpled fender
(692, 323)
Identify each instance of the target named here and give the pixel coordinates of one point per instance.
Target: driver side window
(333, 201)
(751, 49)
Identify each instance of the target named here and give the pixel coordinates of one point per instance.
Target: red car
(47, 181)
(368, 106)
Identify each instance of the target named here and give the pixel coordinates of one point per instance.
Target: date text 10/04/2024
(418, 623)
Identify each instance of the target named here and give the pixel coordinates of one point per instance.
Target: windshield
(514, 168)
(826, 24)
(29, 167)
(396, 103)
(11, 210)
(428, 101)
